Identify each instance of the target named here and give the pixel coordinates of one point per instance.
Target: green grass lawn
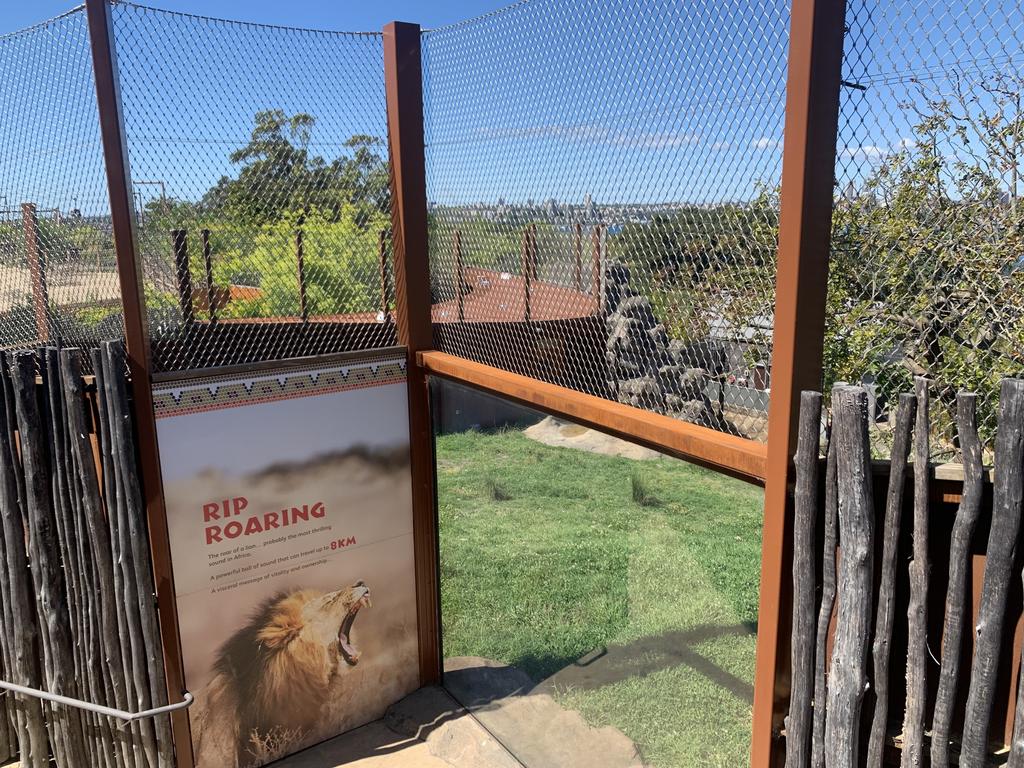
(548, 554)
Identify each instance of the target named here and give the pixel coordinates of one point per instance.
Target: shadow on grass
(479, 686)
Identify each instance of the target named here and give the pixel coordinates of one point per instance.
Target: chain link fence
(58, 282)
(602, 180)
(927, 271)
(259, 164)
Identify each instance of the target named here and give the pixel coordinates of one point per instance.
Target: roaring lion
(272, 677)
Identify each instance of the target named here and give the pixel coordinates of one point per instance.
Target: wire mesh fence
(58, 282)
(928, 235)
(602, 181)
(259, 165)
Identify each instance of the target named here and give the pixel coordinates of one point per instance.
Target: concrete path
(427, 729)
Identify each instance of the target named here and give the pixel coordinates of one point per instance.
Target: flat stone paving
(494, 718)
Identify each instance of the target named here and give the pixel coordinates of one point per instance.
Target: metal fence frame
(812, 111)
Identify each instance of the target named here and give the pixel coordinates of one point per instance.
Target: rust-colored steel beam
(722, 452)
(36, 269)
(136, 330)
(403, 80)
(808, 169)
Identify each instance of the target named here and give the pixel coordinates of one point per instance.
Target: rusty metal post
(300, 266)
(211, 295)
(403, 79)
(460, 278)
(595, 268)
(183, 271)
(37, 270)
(808, 168)
(136, 330)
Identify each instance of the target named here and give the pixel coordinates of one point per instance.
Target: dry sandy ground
(65, 285)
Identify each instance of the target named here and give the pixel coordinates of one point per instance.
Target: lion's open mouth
(348, 651)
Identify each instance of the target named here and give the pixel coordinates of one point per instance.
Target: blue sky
(348, 15)
(634, 101)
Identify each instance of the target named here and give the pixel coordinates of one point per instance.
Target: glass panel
(589, 582)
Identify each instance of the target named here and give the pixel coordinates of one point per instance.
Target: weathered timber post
(848, 676)
(828, 599)
(211, 295)
(956, 591)
(300, 266)
(183, 274)
(798, 724)
(527, 275)
(460, 278)
(1008, 487)
(905, 413)
(382, 254)
(577, 273)
(36, 259)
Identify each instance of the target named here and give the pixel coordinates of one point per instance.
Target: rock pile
(648, 370)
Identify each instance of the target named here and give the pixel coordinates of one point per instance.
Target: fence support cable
(99, 709)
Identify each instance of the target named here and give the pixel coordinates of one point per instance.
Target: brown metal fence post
(595, 268)
(136, 330)
(403, 78)
(805, 216)
(37, 270)
(183, 271)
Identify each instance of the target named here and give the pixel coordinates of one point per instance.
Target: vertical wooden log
(69, 540)
(142, 745)
(905, 413)
(36, 259)
(135, 544)
(33, 743)
(382, 253)
(798, 724)
(848, 677)
(1008, 488)
(577, 270)
(828, 598)
(959, 564)
(14, 716)
(183, 272)
(527, 275)
(211, 294)
(47, 571)
(460, 277)
(300, 264)
(108, 680)
(917, 610)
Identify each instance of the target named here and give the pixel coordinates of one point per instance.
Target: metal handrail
(88, 706)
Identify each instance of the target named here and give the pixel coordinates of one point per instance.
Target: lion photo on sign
(273, 677)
